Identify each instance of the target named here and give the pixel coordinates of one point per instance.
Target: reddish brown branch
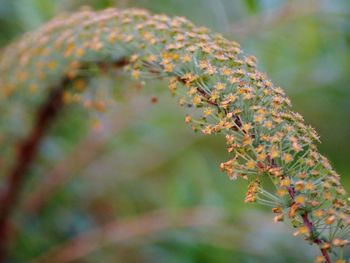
(28, 148)
(306, 221)
(26, 152)
(309, 225)
(316, 240)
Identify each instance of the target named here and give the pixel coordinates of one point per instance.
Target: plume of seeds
(265, 138)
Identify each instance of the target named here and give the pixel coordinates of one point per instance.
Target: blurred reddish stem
(125, 229)
(28, 149)
(26, 153)
(317, 240)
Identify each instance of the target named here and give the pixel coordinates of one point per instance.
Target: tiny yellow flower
(246, 127)
(309, 186)
(203, 64)
(52, 65)
(259, 149)
(299, 186)
(188, 119)
(250, 165)
(135, 73)
(168, 67)
(207, 111)
(302, 175)
(211, 70)
(285, 182)
(207, 130)
(287, 157)
(175, 56)
(247, 140)
(274, 153)
(186, 58)
(219, 86)
(259, 118)
(303, 230)
(296, 147)
(226, 71)
(69, 50)
(268, 124)
(329, 220)
(33, 88)
(278, 218)
(100, 106)
(151, 58)
(233, 80)
(318, 213)
(327, 195)
(80, 85)
(340, 243)
(262, 157)
(300, 199)
(196, 100)
(67, 97)
(281, 192)
(80, 52)
(192, 90)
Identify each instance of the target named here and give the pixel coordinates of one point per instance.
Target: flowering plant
(266, 140)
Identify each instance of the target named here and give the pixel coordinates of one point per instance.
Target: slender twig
(27, 151)
(307, 222)
(316, 240)
(309, 225)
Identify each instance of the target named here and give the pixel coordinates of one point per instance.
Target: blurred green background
(144, 158)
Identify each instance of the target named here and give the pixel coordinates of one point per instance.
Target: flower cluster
(265, 138)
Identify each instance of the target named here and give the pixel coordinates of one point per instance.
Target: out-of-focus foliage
(157, 163)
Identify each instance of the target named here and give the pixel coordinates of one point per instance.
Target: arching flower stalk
(265, 138)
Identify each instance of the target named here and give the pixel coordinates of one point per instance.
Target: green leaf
(252, 6)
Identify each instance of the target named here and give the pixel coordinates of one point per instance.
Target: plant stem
(27, 151)
(316, 240)
(310, 227)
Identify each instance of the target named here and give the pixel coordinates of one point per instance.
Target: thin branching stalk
(26, 153)
(28, 150)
